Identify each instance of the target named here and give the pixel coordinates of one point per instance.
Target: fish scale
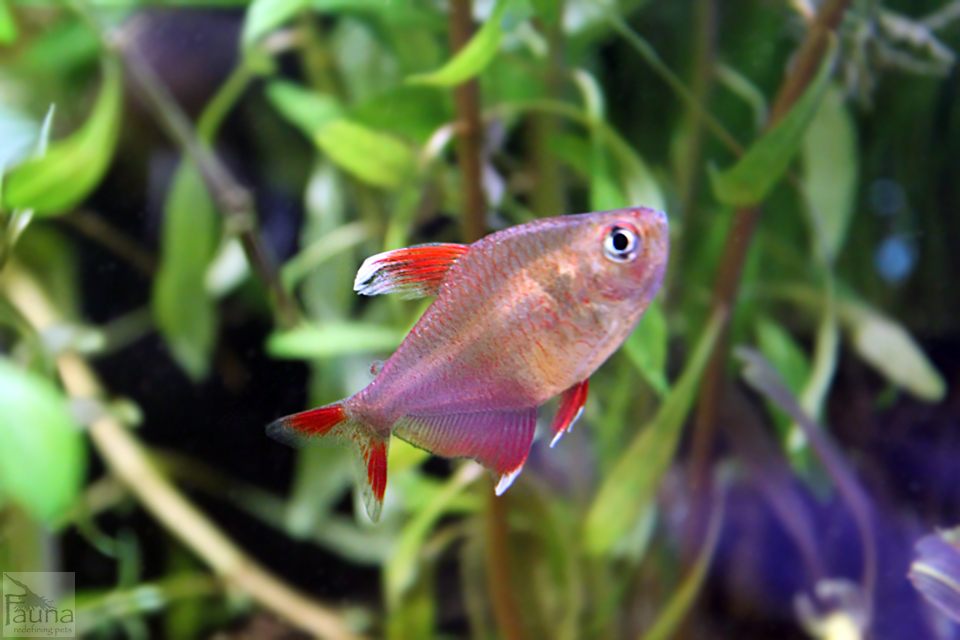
(521, 316)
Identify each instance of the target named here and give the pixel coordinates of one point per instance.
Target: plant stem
(498, 569)
(469, 129)
(808, 60)
(129, 462)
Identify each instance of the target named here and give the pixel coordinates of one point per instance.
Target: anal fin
(413, 272)
(498, 440)
(571, 406)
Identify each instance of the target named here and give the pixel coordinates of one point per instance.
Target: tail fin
(302, 429)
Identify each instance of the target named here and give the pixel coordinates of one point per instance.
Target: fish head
(627, 251)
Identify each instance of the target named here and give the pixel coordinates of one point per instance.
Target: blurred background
(189, 187)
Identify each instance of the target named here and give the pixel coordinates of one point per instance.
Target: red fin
(413, 272)
(373, 453)
(571, 406)
(499, 440)
(302, 429)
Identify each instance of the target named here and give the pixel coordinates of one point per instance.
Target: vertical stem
(498, 570)
(808, 60)
(701, 83)
(469, 129)
(548, 196)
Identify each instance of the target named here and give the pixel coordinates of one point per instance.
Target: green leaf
(72, 167)
(471, 59)
(761, 167)
(891, 350)
(263, 16)
(43, 458)
(783, 352)
(830, 171)
(333, 339)
(647, 348)
(630, 488)
(400, 573)
(8, 26)
(672, 615)
(371, 156)
(185, 312)
(308, 110)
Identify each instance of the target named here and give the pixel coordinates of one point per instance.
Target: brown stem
(469, 129)
(129, 462)
(498, 570)
(234, 201)
(808, 60)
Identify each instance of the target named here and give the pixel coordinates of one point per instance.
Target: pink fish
(521, 316)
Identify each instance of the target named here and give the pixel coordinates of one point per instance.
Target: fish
(520, 316)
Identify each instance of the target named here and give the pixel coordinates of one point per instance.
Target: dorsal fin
(413, 272)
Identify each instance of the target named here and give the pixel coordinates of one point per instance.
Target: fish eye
(622, 243)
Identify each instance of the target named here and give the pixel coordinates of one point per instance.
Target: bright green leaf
(647, 348)
(263, 16)
(376, 158)
(42, 459)
(473, 58)
(309, 110)
(8, 26)
(830, 171)
(630, 488)
(333, 339)
(761, 167)
(185, 312)
(72, 167)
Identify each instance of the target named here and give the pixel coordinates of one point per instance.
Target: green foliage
(632, 485)
(43, 457)
(185, 312)
(348, 107)
(71, 168)
(749, 181)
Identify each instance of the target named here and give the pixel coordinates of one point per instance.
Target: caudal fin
(305, 428)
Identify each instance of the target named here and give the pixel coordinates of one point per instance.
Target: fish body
(521, 316)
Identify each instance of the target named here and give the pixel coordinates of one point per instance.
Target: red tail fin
(302, 429)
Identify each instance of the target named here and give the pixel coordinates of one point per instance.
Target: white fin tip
(507, 479)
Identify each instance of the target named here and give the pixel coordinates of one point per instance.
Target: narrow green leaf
(373, 157)
(43, 458)
(333, 339)
(673, 614)
(400, 572)
(473, 58)
(263, 16)
(72, 167)
(185, 312)
(830, 171)
(8, 26)
(761, 167)
(647, 348)
(631, 486)
(783, 352)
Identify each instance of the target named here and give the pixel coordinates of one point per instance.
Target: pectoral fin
(413, 272)
(571, 406)
(498, 440)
